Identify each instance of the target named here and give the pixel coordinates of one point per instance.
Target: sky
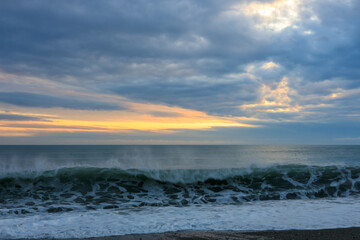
(180, 72)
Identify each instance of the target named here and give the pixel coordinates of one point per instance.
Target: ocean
(90, 191)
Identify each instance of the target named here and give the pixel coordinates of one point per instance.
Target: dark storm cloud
(46, 101)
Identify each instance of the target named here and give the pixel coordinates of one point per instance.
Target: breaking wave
(80, 188)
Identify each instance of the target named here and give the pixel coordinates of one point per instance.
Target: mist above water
(41, 158)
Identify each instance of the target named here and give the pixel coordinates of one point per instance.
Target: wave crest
(91, 188)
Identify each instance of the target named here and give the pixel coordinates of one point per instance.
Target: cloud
(164, 114)
(78, 41)
(209, 97)
(15, 117)
(275, 100)
(212, 57)
(45, 101)
(274, 16)
(269, 65)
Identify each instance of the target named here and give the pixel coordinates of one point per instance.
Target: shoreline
(321, 234)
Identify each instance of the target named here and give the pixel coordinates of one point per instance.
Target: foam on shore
(264, 215)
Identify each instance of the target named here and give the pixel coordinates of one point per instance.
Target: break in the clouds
(179, 71)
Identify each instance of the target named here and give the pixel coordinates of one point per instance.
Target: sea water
(88, 191)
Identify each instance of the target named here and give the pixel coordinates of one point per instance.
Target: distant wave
(92, 188)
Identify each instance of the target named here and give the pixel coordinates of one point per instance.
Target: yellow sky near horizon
(114, 121)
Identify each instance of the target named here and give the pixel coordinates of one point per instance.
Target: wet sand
(325, 234)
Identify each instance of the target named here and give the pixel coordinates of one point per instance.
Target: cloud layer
(248, 63)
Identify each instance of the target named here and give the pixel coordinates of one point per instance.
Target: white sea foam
(263, 215)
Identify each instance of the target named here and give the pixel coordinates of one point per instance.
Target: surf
(89, 188)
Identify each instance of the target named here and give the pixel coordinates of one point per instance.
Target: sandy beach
(324, 234)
